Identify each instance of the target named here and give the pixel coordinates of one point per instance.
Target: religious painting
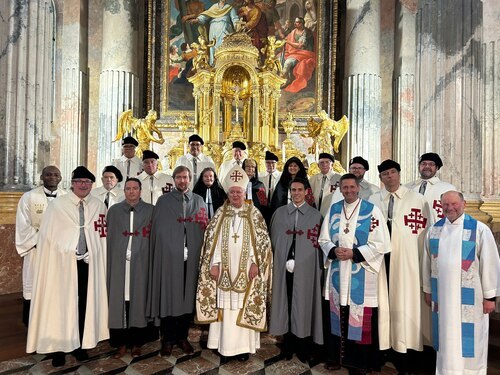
(299, 24)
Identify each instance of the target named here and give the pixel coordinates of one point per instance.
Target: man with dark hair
(129, 225)
(296, 300)
(358, 167)
(195, 160)
(408, 216)
(110, 192)
(429, 185)
(69, 311)
(29, 215)
(354, 240)
(179, 222)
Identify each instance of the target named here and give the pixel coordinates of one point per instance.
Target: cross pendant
(346, 230)
(235, 236)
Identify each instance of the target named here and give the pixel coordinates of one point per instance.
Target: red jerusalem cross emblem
(436, 206)
(312, 235)
(236, 176)
(100, 225)
(415, 220)
(373, 224)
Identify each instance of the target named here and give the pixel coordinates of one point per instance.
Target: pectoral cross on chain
(235, 236)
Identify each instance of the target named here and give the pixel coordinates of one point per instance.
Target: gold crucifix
(235, 236)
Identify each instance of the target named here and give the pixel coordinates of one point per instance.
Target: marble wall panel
(10, 261)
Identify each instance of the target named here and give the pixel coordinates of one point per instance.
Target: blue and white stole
(467, 294)
(357, 292)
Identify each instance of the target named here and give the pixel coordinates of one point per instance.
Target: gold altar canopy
(237, 97)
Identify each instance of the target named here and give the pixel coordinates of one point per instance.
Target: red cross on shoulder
(415, 220)
(373, 224)
(100, 225)
(436, 206)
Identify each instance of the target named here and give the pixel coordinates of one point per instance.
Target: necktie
(82, 243)
(128, 168)
(152, 179)
(209, 203)
(106, 200)
(269, 189)
(390, 212)
(422, 187)
(323, 181)
(195, 169)
(238, 162)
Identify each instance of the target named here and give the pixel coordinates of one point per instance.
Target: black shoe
(243, 357)
(59, 359)
(332, 365)
(224, 359)
(302, 357)
(81, 355)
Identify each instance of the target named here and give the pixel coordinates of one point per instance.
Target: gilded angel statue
(323, 130)
(141, 129)
(271, 62)
(202, 49)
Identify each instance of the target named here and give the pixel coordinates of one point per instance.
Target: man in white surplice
(461, 280)
(195, 159)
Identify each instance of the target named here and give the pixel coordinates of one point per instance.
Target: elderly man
(296, 299)
(235, 273)
(178, 224)
(154, 183)
(29, 215)
(407, 215)
(238, 158)
(128, 164)
(272, 176)
(358, 167)
(69, 311)
(429, 185)
(324, 183)
(354, 239)
(461, 279)
(195, 160)
(129, 225)
(109, 193)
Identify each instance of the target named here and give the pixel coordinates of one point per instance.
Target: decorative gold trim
(473, 209)
(149, 68)
(8, 207)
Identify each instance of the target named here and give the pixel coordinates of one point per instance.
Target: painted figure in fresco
(255, 23)
(187, 11)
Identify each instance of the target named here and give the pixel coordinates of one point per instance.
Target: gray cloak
(306, 317)
(117, 241)
(169, 296)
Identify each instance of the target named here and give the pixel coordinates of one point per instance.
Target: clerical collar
(50, 193)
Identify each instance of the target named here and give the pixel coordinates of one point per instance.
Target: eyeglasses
(356, 168)
(427, 164)
(82, 182)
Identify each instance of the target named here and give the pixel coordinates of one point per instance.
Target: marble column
(405, 133)
(449, 91)
(362, 82)
(74, 87)
(27, 91)
(491, 112)
(119, 81)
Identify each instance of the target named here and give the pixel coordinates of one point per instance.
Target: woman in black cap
(293, 168)
(209, 188)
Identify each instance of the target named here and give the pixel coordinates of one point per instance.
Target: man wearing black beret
(325, 182)
(408, 216)
(154, 182)
(110, 192)
(195, 160)
(69, 305)
(358, 167)
(128, 164)
(239, 155)
(429, 185)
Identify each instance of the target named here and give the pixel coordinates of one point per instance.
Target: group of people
(329, 260)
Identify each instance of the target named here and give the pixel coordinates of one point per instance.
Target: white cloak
(162, 184)
(53, 324)
(373, 251)
(408, 322)
(203, 161)
(329, 187)
(486, 285)
(30, 210)
(135, 166)
(275, 177)
(433, 190)
(116, 195)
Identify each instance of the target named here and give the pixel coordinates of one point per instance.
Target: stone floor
(267, 360)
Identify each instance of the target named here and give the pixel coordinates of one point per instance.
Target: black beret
(147, 154)
(359, 160)
(432, 156)
(271, 156)
(195, 138)
(388, 164)
(130, 141)
(240, 145)
(82, 172)
(325, 155)
(114, 170)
